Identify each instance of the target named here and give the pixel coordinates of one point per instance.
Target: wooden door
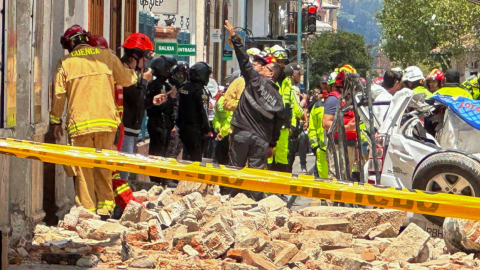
(95, 17)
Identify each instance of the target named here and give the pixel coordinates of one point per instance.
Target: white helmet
(412, 74)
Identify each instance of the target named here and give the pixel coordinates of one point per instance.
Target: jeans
(129, 143)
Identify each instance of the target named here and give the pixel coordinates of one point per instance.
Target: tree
(412, 29)
(358, 16)
(330, 50)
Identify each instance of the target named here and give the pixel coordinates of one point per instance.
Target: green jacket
(288, 98)
(316, 133)
(453, 89)
(222, 118)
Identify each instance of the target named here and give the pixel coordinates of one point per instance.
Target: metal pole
(299, 32)
(245, 26)
(372, 129)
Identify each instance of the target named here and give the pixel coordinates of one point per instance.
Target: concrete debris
(195, 228)
(461, 235)
(142, 262)
(88, 261)
(408, 246)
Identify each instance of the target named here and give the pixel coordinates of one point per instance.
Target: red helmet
(71, 33)
(339, 79)
(363, 81)
(436, 74)
(98, 41)
(138, 41)
(378, 81)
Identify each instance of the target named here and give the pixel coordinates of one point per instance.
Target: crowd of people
(261, 120)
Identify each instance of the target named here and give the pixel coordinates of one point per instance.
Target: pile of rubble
(191, 228)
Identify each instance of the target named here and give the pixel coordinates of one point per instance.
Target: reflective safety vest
(316, 133)
(121, 190)
(422, 90)
(222, 118)
(453, 90)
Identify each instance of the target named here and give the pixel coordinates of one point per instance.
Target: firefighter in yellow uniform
(85, 78)
(452, 87)
(279, 161)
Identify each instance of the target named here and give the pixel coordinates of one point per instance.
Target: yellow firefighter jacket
(86, 78)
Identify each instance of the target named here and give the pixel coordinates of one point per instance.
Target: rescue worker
(134, 97)
(471, 85)
(235, 89)
(85, 79)
(349, 119)
(452, 87)
(192, 119)
(413, 79)
(221, 125)
(317, 137)
(161, 118)
(434, 80)
(279, 161)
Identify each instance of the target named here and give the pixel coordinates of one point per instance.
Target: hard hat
(138, 41)
(412, 74)
(398, 69)
(378, 81)
(332, 77)
(436, 74)
(70, 34)
(98, 41)
(271, 59)
(253, 51)
(348, 68)
(278, 52)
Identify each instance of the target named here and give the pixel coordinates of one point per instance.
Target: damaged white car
(432, 146)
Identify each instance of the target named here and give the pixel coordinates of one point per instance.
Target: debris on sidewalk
(195, 228)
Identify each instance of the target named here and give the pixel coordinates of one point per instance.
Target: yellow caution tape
(438, 204)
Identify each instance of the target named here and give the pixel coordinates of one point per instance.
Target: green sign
(187, 50)
(167, 48)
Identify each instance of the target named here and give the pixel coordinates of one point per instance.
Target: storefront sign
(167, 48)
(216, 36)
(187, 50)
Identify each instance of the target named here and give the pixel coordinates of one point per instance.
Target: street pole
(299, 32)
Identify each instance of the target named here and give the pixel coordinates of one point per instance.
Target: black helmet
(181, 67)
(200, 73)
(163, 66)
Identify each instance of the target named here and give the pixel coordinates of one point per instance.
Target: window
(130, 17)
(115, 26)
(95, 17)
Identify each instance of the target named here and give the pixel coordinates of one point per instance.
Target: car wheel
(452, 173)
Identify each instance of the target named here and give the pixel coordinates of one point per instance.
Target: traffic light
(312, 19)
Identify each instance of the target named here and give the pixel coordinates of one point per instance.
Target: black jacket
(162, 115)
(260, 108)
(193, 107)
(134, 105)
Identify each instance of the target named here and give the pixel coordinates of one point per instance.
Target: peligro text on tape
(439, 204)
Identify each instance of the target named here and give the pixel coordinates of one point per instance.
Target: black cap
(452, 76)
(261, 60)
(324, 79)
(291, 67)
